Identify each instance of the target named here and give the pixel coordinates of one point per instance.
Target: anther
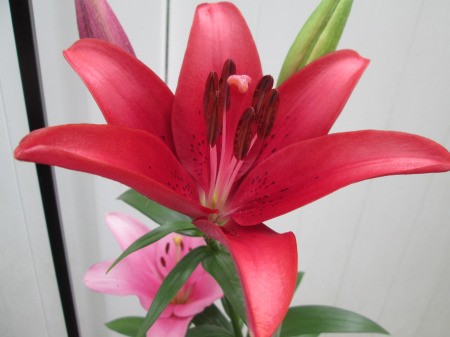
(264, 85)
(211, 87)
(267, 114)
(178, 240)
(212, 109)
(245, 132)
(229, 68)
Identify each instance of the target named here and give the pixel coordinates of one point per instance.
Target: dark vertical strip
(166, 56)
(23, 25)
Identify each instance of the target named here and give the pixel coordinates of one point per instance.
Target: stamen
(178, 240)
(267, 114)
(245, 132)
(211, 86)
(212, 110)
(264, 85)
(256, 122)
(229, 68)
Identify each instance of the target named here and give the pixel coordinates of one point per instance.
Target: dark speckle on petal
(167, 247)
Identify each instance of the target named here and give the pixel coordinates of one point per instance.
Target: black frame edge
(27, 53)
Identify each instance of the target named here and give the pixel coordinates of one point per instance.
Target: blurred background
(380, 248)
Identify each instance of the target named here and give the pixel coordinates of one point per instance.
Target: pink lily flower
(142, 273)
(227, 149)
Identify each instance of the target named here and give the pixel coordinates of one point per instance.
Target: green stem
(236, 321)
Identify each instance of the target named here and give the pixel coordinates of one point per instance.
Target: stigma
(240, 82)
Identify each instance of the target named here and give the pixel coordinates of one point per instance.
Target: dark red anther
(212, 109)
(264, 85)
(268, 113)
(211, 87)
(245, 132)
(229, 68)
(216, 100)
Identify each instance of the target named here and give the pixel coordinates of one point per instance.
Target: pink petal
(267, 266)
(205, 291)
(308, 170)
(125, 228)
(312, 99)
(168, 254)
(96, 19)
(169, 327)
(132, 157)
(219, 32)
(122, 280)
(127, 92)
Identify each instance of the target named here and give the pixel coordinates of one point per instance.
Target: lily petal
(126, 91)
(312, 99)
(169, 327)
(205, 291)
(166, 249)
(96, 19)
(219, 32)
(132, 157)
(308, 170)
(126, 230)
(267, 266)
(122, 280)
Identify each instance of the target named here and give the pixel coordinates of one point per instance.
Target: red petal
(312, 99)
(132, 157)
(127, 92)
(267, 266)
(96, 19)
(219, 32)
(306, 171)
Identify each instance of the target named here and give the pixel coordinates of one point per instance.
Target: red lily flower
(234, 152)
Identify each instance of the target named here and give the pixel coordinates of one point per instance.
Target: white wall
(381, 248)
(29, 299)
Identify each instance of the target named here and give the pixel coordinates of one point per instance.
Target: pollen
(178, 241)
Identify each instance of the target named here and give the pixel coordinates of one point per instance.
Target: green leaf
(153, 236)
(128, 326)
(212, 316)
(320, 35)
(299, 279)
(315, 319)
(172, 284)
(159, 214)
(220, 266)
(208, 331)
